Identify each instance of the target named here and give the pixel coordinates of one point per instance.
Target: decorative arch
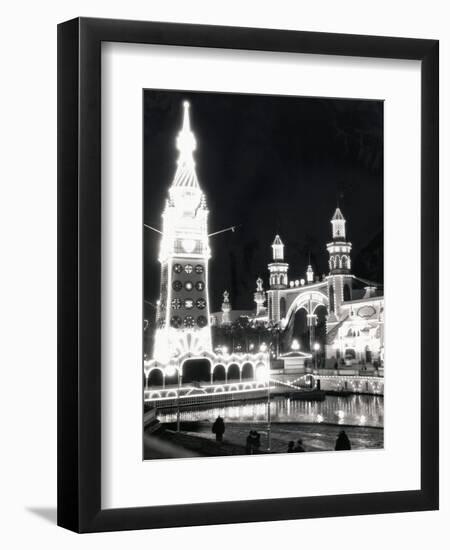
(233, 371)
(197, 391)
(248, 371)
(156, 376)
(345, 262)
(308, 300)
(196, 369)
(219, 372)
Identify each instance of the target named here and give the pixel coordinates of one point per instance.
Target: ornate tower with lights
(340, 278)
(278, 269)
(278, 279)
(182, 319)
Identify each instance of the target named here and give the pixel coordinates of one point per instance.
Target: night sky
(268, 164)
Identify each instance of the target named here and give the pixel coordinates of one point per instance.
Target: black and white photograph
(263, 309)
(222, 223)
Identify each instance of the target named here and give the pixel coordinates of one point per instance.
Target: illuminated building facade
(353, 308)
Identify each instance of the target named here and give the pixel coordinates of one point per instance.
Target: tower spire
(186, 175)
(338, 225)
(278, 268)
(278, 248)
(339, 249)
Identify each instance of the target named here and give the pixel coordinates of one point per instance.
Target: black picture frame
(79, 274)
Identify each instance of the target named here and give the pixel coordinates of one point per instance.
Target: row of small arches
(339, 262)
(218, 372)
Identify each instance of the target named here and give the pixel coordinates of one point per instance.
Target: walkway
(196, 438)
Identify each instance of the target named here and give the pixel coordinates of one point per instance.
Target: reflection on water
(356, 410)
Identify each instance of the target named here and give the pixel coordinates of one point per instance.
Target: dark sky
(270, 164)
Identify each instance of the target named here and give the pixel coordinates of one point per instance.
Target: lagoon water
(354, 410)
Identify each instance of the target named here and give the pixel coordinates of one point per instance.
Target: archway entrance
(233, 372)
(196, 370)
(219, 373)
(155, 378)
(300, 331)
(247, 371)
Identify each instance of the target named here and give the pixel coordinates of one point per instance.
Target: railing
(345, 372)
(206, 398)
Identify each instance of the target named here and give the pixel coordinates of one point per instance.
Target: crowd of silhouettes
(253, 441)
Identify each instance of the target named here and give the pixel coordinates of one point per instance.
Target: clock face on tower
(187, 246)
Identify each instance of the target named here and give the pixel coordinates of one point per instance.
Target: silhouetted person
(299, 447)
(290, 448)
(342, 442)
(218, 428)
(253, 442)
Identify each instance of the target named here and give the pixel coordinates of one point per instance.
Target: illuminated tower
(183, 322)
(278, 269)
(278, 280)
(340, 278)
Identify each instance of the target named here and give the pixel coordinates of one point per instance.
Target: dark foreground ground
(196, 438)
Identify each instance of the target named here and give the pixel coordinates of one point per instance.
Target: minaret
(278, 269)
(339, 249)
(278, 280)
(183, 321)
(340, 277)
(260, 297)
(226, 308)
(309, 275)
